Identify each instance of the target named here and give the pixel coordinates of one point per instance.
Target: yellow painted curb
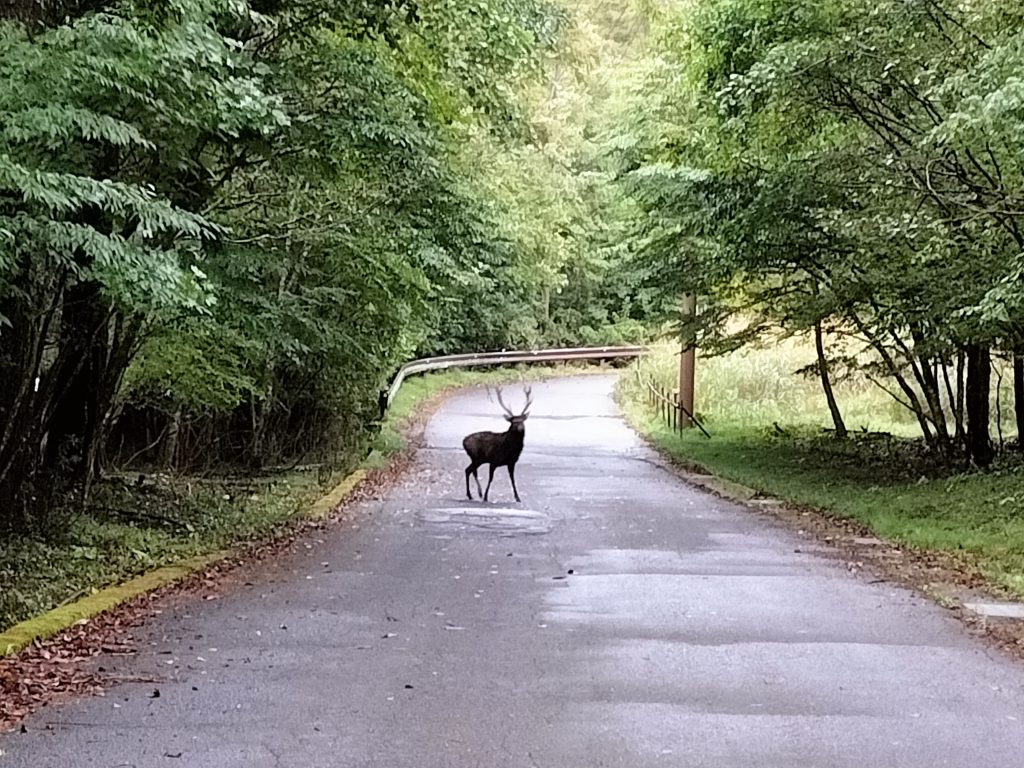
(22, 635)
(325, 506)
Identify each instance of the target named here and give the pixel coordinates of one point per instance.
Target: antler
(529, 400)
(508, 411)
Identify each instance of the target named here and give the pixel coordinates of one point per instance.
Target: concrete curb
(20, 636)
(719, 486)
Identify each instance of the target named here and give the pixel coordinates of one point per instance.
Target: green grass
(128, 531)
(759, 387)
(887, 482)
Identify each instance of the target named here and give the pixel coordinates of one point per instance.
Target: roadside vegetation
(848, 172)
(206, 280)
(216, 274)
(840, 185)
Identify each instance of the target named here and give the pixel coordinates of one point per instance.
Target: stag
(498, 449)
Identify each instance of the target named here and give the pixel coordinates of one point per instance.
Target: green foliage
(851, 167)
(224, 224)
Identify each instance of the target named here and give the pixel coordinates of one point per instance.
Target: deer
(497, 449)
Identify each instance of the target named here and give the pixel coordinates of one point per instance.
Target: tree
(849, 165)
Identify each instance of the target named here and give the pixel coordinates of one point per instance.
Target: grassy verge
(131, 529)
(884, 481)
(128, 530)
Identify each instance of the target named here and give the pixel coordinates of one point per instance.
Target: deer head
(516, 421)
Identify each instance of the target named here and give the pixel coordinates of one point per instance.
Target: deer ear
(508, 419)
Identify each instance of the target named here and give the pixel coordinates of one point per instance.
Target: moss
(57, 620)
(39, 628)
(323, 508)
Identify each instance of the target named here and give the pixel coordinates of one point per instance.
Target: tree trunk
(930, 388)
(1018, 396)
(979, 380)
(826, 383)
(169, 460)
(77, 378)
(913, 401)
(923, 372)
(961, 408)
(955, 406)
(97, 344)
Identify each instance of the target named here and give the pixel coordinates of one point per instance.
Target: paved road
(443, 634)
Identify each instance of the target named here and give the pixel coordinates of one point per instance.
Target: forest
(225, 223)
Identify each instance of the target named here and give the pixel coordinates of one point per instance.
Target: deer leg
(479, 490)
(490, 480)
(471, 470)
(512, 477)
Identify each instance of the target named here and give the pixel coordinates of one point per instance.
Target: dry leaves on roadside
(68, 665)
(58, 668)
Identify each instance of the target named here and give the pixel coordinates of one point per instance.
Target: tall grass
(756, 388)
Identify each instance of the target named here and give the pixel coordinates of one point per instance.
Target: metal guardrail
(427, 364)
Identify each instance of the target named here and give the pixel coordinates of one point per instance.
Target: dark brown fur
(497, 449)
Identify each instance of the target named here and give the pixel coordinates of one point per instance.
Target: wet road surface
(615, 618)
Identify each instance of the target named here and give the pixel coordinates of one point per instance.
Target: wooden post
(687, 363)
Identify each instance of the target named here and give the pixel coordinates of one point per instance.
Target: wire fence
(667, 405)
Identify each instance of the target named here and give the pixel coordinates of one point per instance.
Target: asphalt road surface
(615, 618)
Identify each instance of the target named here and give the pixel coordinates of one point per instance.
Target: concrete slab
(997, 610)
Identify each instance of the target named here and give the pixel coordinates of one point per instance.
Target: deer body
(497, 449)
